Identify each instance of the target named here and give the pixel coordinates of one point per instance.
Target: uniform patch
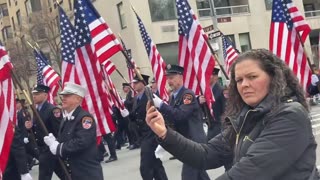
(87, 122)
(187, 99)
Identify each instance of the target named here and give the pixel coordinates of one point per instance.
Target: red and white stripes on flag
(94, 44)
(194, 53)
(230, 54)
(157, 63)
(46, 75)
(288, 32)
(7, 108)
(110, 87)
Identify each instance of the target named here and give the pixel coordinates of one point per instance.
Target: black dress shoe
(105, 154)
(111, 159)
(134, 146)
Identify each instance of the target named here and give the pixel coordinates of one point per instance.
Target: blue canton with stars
(225, 45)
(145, 36)
(84, 15)
(41, 63)
(185, 18)
(67, 38)
(280, 13)
(129, 65)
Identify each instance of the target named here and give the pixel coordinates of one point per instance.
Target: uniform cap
(172, 69)
(41, 88)
(71, 88)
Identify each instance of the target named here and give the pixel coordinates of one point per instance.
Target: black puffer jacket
(272, 143)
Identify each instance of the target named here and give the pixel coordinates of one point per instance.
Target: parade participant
(154, 87)
(184, 113)
(150, 166)
(218, 106)
(130, 128)
(267, 133)
(47, 162)
(76, 142)
(23, 115)
(17, 168)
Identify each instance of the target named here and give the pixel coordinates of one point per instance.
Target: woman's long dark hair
(284, 84)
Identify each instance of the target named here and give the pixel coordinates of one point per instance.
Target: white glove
(161, 153)
(52, 143)
(314, 79)
(157, 101)
(26, 140)
(124, 112)
(26, 176)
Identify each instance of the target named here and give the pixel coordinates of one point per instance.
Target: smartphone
(149, 95)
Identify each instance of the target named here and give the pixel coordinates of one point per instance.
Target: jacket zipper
(239, 132)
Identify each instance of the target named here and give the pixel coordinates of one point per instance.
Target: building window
(13, 24)
(122, 17)
(35, 5)
(162, 10)
(223, 8)
(41, 33)
(169, 52)
(4, 10)
(204, 8)
(268, 4)
(7, 33)
(18, 17)
(28, 7)
(245, 43)
(231, 38)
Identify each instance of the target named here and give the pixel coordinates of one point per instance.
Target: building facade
(246, 22)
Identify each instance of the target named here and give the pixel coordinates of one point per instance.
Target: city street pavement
(127, 166)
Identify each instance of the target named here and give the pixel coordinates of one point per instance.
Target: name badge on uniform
(187, 99)
(87, 122)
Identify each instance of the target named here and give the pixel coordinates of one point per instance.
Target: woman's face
(252, 82)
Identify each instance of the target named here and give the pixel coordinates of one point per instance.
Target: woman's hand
(155, 121)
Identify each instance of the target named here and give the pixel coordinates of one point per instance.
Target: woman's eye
(252, 77)
(238, 80)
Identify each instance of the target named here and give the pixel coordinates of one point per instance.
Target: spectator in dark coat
(267, 132)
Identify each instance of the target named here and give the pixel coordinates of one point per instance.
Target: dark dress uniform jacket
(78, 146)
(17, 163)
(50, 122)
(138, 114)
(185, 117)
(219, 104)
(22, 116)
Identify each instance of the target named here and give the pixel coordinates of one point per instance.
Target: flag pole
(217, 59)
(128, 60)
(308, 59)
(43, 127)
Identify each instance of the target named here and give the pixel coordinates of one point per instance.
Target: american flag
(131, 66)
(194, 53)
(7, 108)
(94, 45)
(230, 54)
(157, 63)
(46, 75)
(111, 90)
(68, 71)
(287, 24)
(104, 41)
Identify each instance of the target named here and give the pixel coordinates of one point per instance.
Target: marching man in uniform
(76, 141)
